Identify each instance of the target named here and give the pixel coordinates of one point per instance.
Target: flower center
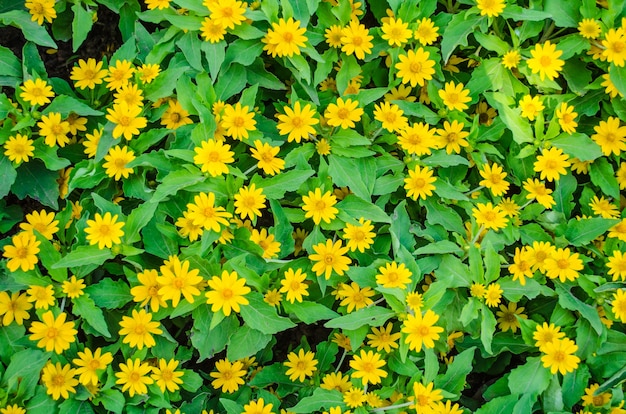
(124, 120)
(419, 182)
(239, 122)
(227, 294)
(94, 364)
(546, 61)
(562, 263)
(104, 230)
(559, 356)
(175, 117)
(52, 333)
(58, 380)
(329, 259)
(423, 330)
(56, 129)
(415, 67)
(343, 113)
(213, 156)
(21, 252)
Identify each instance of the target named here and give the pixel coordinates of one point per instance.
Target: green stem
(343, 356)
(391, 407)
(547, 32)
(480, 230)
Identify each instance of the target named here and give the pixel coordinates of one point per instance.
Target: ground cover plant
(320, 206)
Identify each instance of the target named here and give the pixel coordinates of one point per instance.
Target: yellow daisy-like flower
(320, 206)
(213, 156)
(91, 142)
(368, 366)
(590, 399)
(266, 241)
(336, 381)
(354, 397)
(478, 290)
(414, 301)
(41, 10)
(419, 183)
(452, 137)
(545, 60)
(333, 36)
(258, 407)
(551, 164)
(343, 113)
(356, 40)
(238, 122)
(53, 334)
(589, 28)
(393, 275)
(133, 376)
(489, 216)
(521, 268)
(73, 287)
(126, 119)
(22, 253)
(148, 290)
(18, 148)
(104, 230)
(88, 74)
(14, 308)
(545, 334)
(229, 13)
(165, 375)
(382, 338)
(157, 4)
(426, 397)
(12, 409)
(175, 116)
(490, 8)
(618, 305)
(391, 116)
(294, 285)
(455, 97)
(43, 296)
(530, 107)
(54, 130)
(36, 92)
(116, 162)
(359, 237)
(494, 179)
(297, 123)
(228, 376)
(204, 213)
(177, 279)
(266, 155)
(227, 293)
(421, 330)
(567, 118)
(89, 363)
(396, 32)
(138, 329)
(59, 380)
(415, 67)
(564, 265)
(212, 30)
(285, 38)
(493, 295)
(603, 208)
(355, 298)
(249, 202)
(119, 74)
(301, 365)
(617, 266)
(507, 317)
(610, 136)
(418, 139)
(537, 190)
(426, 32)
(329, 257)
(129, 93)
(41, 221)
(609, 87)
(614, 44)
(559, 356)
(148, 72)
(511, 59)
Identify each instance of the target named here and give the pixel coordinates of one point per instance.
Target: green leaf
(23, 372)
(454, 379)
(568, 301)
(86, 308)
(309, 312)
(582, 232)
(8, 174)
(499, 405)
(355, 207)
(160, 239)
(439, 247)
(283, 230)
(232, 81)
(487, 328)
(109, 293)
(276, 187)
(618, 77)
(320, 400)
(349, 69)
(578, 145)
(10, 338)
(520, 127)
(442, 159)
(242, 51)
(358, 174)
(215, 54)
(31, 30)
(66, 104)
(81, 25)
(190, 45)
(602, 175)
(231, 406)
(84, 255)
(456, 32)
(111, 399)
(246, 342)
(564, 194)
(262, 317)
(209, 341)
(453, 272)
(492, 42)
(444, 215)
(34, 180)
(164, 84)
(49, 157)
(9, 63)
(175, 181)
(400, 222)
(530, 378)
(574, 384)
(564, 14)
(137, 220)
(370, 316)
(518, 13)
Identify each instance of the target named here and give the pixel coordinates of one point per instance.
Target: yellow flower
(129, 93)
(148, 72)
(319, 206)
(18, 148)
(619, 304)
(478, 290)
(73, 287)
(53, 334)
(564, 265)
(126, 119)
(36, 92)
(119, 74)
(522, 265)
(22, 253)
(237, 121)
(178, 280)
(343, 113)
(42, 296)
(595, 400)
(249, 202)
(297, 123)
(426, 32)
(382, 338)
(567, 118)
(356, 40)
(285, 38)
(421, 330)
(507, 317)
(175, 116)
(354, 397)
(204, 212)
(14, 308)
(188, 228)
(104, 230)
(530, 107)
(537, 190)
(41, 221)
(545, 334)
(494, 179)
(91, 142)
(266, 241)
(117, 160)
(138, 329)
(399, 93)
(489, 216)
(367, 366)
(41, 10)
(212, 30)
(490, 8)
(329, 257)
(213, 156)
(301, 365)
(227, 292)
(493, 294)
(359, 237)
(609, 86)
(610, 136)
(391, 117)
(545, 60)
(59, 380)
(54, 130)
(148, 290)
(157, 4)
(511, 59)
(589, 28)
(395, 31)
(258, 407)
(618, 231)
(603, 208)
(336, 381)
(614, 44)
(322, 147)
(88, 74)
(559, 356)
(294, 285)
(455, 97)
(617, 266)
(418, 139)
(391, 276)
(419, 183)
(265, 154)
(89, 363)
(452, 137)
(165, 375)
(415, 67)
(414, 301)
(229, 13)
(333, 36)
(551, 164)
(12, 409)
(426, 397)
(355, 298)
(228, 376)
(133, 377)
